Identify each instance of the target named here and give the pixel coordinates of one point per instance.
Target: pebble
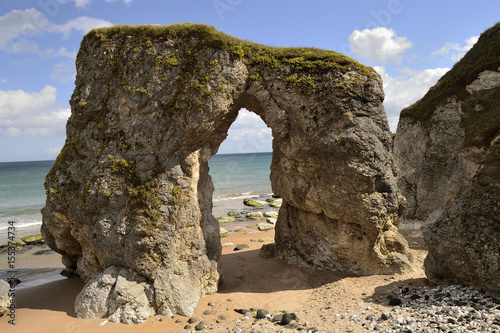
(446, 308)
(395, 301)
(287, 318)
(277, 318)
(262, 314)
(200, 326)
(241, 247)
(265, 226)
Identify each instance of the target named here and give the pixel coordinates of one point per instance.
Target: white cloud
(247, 134)
(126, 1)
(378, 45)
(32, 113)
(86, 3)
(81, 3)
(454, 50)
(406, 89)
(53, 151)
(63, 52)
(64, 72)
(83, 24)
(20, 28)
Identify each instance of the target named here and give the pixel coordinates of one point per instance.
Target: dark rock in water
(192, 320)
(33, 240)
(14, 282)
(241, 247)
(395, 301)
(226, 219)
(252, 203)
(262, 314)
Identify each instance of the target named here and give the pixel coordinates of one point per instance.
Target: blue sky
(411, 43)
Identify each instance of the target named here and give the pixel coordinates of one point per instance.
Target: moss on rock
(33, 239)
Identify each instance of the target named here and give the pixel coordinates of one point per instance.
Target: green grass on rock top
(299, 58)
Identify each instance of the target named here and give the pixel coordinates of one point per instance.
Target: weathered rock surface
(4, 297)
(448, 150)
(120, 294)
(433, 162)
(442, 139)
(464, 243)
(151, 105)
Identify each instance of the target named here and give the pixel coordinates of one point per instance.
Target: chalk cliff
(447, 148)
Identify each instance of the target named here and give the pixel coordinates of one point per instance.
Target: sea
(22, 194)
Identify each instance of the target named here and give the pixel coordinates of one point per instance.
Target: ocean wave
(19, 224)
(246, 195)
(20, 211)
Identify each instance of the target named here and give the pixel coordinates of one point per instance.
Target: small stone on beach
(241, 247)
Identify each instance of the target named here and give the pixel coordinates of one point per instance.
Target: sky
(410, 43)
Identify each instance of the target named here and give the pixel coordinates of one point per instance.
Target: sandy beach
(320, 299)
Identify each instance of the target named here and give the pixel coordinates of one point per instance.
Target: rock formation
(448, 150)
(5, 299)
(442, 139)
(130, 194)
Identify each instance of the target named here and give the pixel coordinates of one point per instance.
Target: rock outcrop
(5, 299)
(447, 148)
(118, 293)
(442, 139)
(464, 243)
(130, 194)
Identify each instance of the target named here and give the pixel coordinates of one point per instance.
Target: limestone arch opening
(243, 199)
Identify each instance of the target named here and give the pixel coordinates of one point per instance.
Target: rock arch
(129, 198)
